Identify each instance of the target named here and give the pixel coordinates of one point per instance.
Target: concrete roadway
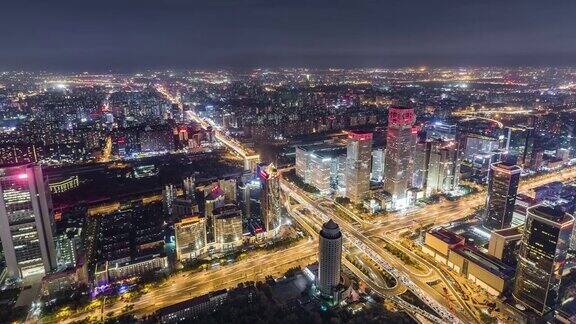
(187, 285)
(440, 213)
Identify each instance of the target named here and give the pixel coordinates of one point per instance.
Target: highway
(366, 235)
(320, 215)
(374, 280)
(256, 267)
(251, 158)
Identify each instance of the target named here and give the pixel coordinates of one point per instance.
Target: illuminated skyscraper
(443, 170)
(329, 258)
(270, 197)
(191, 238)
(26, 221)
(358, 162)
(228, 232)
(189, 185)
(503, 183)
(422, 151)
(541, 259)
(377, 172)
(229, 188)
(400, 141)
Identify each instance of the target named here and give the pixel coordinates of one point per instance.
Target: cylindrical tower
(329, 258)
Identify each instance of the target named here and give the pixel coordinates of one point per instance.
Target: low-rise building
(482, 269)
(192, 308)
(58, 282)
(107, 273)
(438, 243)
(485, 270)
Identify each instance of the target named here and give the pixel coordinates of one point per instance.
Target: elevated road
(251, 158)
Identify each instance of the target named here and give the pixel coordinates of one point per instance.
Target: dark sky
(96, 35)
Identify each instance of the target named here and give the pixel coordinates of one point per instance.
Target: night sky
(90, 35)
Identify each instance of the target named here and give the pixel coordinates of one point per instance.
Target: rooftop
(447, 236)
(330, 230)
(190, 302)
(509, 232)
(550, 213)
(228, 210)
(507, 166)
(331, 152)
(487, 262)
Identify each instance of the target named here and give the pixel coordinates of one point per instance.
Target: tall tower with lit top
(400, 142)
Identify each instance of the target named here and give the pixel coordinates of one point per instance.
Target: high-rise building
(400, 141)
(541, 258)
(26, 221)
(229, 187)
(476, 145)
(169, 193)
(214, 199)
(324, 167)
(529, 152)
(377, 172)
(440, 130)
(422, 152)
(184, 206)
(504, 245)
(320, 172)
(270, 203)
(443, 171)
(190, 235)
(358, 162)
(319, 165)
(303, 162)
(67, 248)
(228, 232)
(503, 183)
(329, 258)
(189, 185)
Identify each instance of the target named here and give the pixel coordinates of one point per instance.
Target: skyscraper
(358, 162)
(228, 232)
(270, 197)
(26, 221)
(541, 258)
(443, 171)
(329, 258)
(503, 183)
(377, 172)
(422, 151)
(189, 185)
(190, 234)
(400, 141)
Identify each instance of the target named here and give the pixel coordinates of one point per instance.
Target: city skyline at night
(255, 161)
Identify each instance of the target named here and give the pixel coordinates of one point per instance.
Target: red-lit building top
(401, 116)
(360, 136)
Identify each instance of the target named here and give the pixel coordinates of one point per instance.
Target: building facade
(400, 141)
(541, 258)
(443, 171)
(228, 232)
(26, 224)
(358, 163)
(329, 258)
(271, 204)
(190, 235)
(503, 183)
